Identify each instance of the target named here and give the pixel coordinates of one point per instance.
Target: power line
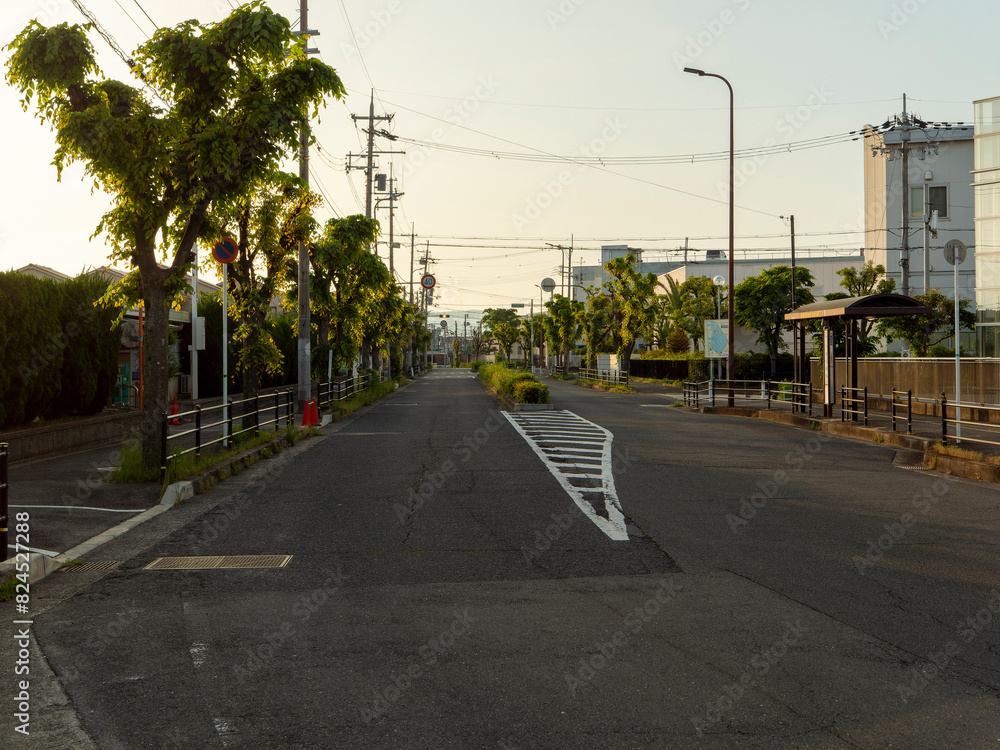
(155, 26)
(590, 166)
(141, 30)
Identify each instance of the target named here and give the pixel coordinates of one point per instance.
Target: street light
(720, 281)
(731, 368)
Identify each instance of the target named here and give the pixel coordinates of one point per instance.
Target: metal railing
(614, 377)
(338, 390)
(4, 507)
(270, 408)
(694, 392)
(854, 403)
(799, 395)
(957, 422)
(897, 404)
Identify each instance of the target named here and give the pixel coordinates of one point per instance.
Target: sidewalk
(69, 500)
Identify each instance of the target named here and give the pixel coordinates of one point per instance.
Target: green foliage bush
(531, 392)
(58, 353)
(507, 382)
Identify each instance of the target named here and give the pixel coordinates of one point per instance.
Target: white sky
(559, 77)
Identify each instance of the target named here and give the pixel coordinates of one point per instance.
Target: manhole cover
(218, 562)
(89, 567)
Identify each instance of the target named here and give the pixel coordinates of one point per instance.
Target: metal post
(958, 361)
(163, 448)
(256, 415)
(4, 507)
(865, 396)
(229, 423)
(225, 347)
(909, 412)
(944, 423)
(842, 402)
(197, 430)
(277, 412)
(892, 400)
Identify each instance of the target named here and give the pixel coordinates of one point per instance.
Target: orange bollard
(175, 421)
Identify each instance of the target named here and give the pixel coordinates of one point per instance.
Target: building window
(938, 195)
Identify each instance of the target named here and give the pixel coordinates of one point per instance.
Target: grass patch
(341, 409)
(956, 452)
(130, 468)
(7, 589)
(609, 387)
(72, 563)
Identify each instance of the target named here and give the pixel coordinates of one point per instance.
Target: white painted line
(78, 507)
(47, 553)
(614, 525)
(364, 434)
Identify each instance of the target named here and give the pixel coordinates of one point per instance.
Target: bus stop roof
(870, 306)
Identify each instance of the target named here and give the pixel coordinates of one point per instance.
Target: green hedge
(513, 384)
(58, 352)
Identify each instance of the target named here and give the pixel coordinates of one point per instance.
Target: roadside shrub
(511, 383)
(58, 353)
(531, 392)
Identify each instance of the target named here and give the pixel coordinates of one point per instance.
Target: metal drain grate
(218, 562)
(90, 567)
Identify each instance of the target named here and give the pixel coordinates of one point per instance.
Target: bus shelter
(849, 310)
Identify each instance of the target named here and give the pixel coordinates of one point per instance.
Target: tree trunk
(155, 369)
(565, 367)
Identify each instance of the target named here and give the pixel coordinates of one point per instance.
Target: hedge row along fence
(58, 352)
(521, 387)
(749, 366)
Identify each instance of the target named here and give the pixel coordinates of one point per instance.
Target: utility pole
(304, 353)
(572, 292)
(904, 260)
(370, 157)
(412, 240)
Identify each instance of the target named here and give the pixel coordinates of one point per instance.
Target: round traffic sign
(444, 323)
(226, 250)
(548, 285)
(427, 281)
(955, 249)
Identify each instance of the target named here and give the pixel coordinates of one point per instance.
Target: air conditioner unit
(713, 254)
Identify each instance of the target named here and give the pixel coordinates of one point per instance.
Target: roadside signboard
(427, 281)
(717, 339)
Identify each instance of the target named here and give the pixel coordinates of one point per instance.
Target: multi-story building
(986, 185)
(940, 158)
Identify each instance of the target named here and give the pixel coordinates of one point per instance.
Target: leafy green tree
(502, 325)
(564, 324)
(268, 222)
(531, 324)
(870, 279)
(762, 301)
(699, 305)
(233, 106)
(633, 310)
(678, 342)
(921, 332)
(595, 321)
(669, 310)
(478, 342)
(345, 273)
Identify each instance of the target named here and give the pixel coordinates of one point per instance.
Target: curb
(932, 461)
(40, 566)
(513, 405)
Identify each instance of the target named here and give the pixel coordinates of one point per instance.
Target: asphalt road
(778, 588)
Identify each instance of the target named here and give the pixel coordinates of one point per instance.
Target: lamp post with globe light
(731, 370)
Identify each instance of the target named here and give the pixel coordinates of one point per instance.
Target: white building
(987, 192)
(940, 163)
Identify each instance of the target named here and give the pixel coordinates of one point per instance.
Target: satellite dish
(548, 285)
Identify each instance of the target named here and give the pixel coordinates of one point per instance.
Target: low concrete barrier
(71, 436)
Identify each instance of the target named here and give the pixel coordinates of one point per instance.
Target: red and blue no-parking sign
(226, 250)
